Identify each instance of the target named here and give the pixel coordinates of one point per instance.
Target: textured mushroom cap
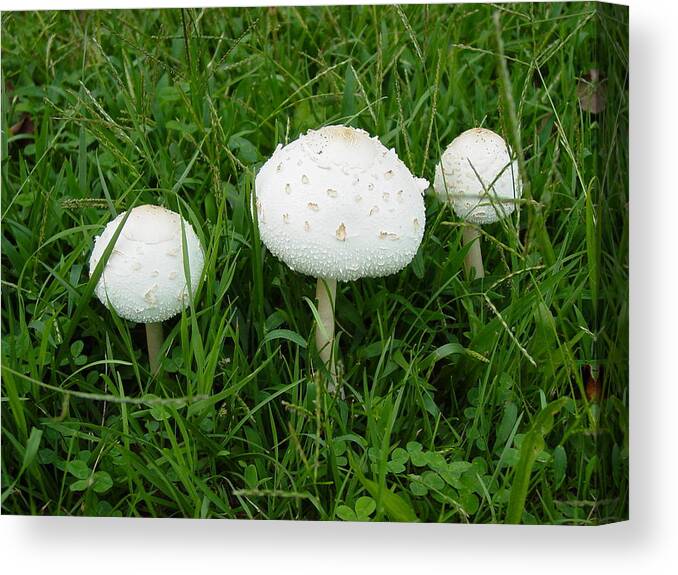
(144, 277)
(336, 203)
(474, 161)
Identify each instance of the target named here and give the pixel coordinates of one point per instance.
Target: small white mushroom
(153, 235)
(477, 176)
(337, 159)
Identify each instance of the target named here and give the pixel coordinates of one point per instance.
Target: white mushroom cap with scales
(144, 279)
(477, 176)
(336, 203)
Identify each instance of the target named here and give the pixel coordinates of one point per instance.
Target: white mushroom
(326, 206)
(478, 178)
(144, 279)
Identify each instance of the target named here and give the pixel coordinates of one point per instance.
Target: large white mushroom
(337, 205)
(478, 178)
(144, 279)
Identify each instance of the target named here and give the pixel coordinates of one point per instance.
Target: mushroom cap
(476, 175)
(144, 280)
(336, 203)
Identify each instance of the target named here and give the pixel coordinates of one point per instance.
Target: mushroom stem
(474, 257)
(326, 293)
(154, 341)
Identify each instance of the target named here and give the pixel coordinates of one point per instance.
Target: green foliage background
(463, 401)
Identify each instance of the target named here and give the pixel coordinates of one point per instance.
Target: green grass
(463, 402)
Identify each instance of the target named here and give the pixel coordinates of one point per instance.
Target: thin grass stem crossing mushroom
(144, 279)
(336, 204)
(478, 178)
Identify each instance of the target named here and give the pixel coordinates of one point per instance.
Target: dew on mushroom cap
(350, 181)
(138, 286)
